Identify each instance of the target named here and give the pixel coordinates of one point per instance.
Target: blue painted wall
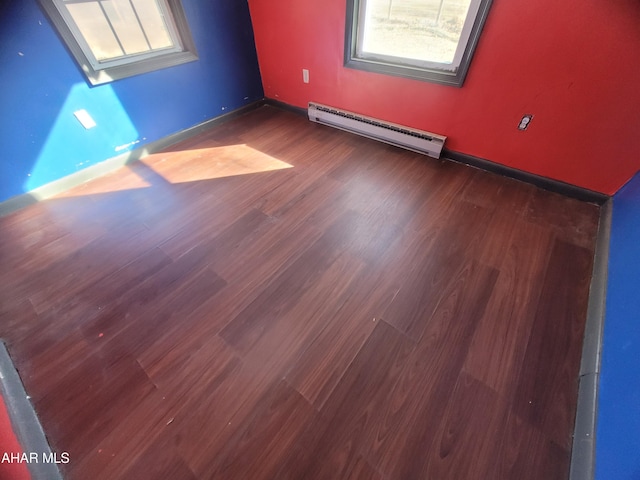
(41, 86)
(618, 430)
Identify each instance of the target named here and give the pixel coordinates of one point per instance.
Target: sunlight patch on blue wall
(70, 147)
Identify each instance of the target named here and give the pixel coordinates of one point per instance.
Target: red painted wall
(574, 64)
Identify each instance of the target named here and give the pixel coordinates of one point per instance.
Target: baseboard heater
(398, 135)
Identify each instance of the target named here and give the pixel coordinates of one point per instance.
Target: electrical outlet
(525, 121)
(305, 75)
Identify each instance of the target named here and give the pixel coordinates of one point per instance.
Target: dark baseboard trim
(94, 171)
(99, 169)
(167, 141)
(545, 183)
(584, 441)
(285, 106)
(556, 186)
(25, 422)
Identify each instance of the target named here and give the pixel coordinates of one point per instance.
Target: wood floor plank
(554, 347)
(43, 246)
(158, 460)
(446, 187)
(90, 304)
(145, 425)
(319, 368)
(295, 332)
(466, 443)
(263, 437)
(438, 264)
(186, 367)
(392, 188)
(354, 402)
(269, 251)
(116, 328)
(572, 220)
(483, 190)
(80, 269)
(221, 245)
(410, 418)
(103, 390)
(320, 160)
(526, 453)
(245, 329)
(273, 298)
(496, 352)
(17, 318)
(214, 414)
(315, 201)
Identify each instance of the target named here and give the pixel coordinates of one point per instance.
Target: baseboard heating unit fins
(398, 135)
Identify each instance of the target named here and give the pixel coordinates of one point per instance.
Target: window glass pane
(422, 30)
(126, 26)
(95, 29)
(153, 23)
(114, 39)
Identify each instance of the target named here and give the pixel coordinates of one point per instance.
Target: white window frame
(453, 73)
(100, 72)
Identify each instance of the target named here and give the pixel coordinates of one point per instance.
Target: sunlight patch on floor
(181, 167)
(210, 163)
(117, 181)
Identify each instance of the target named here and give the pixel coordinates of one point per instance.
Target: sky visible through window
(423, 30)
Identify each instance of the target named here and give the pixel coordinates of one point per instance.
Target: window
(431, 40)
(113, 39)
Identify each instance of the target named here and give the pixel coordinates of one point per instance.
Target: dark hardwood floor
(277, 299)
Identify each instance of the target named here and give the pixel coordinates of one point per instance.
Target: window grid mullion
(135, 12)
(104, 12)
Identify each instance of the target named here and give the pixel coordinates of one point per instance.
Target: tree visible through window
(425, 39)
(113, 39)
